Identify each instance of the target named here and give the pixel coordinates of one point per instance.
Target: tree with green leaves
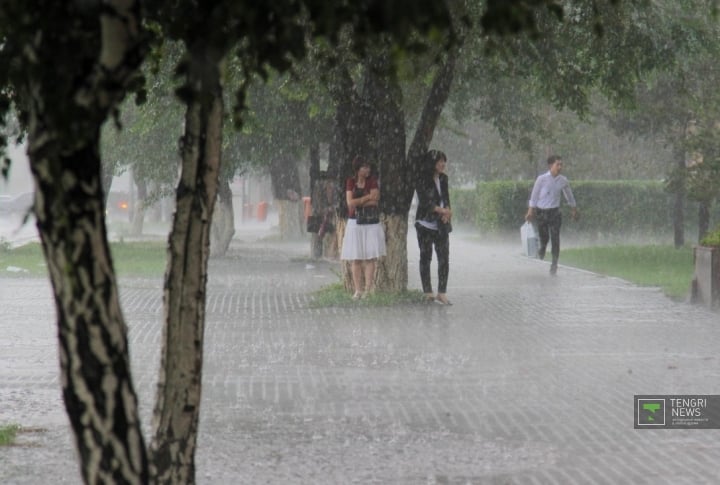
(100, 47)
(677, 103)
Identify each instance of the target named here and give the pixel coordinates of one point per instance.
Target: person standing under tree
(364, 239)
(544, 207)
(432, 223)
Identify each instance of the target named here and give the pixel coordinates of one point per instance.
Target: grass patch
(8, 434)
(335, 295)
(26, 260)
(663, 266)
(136, 259)
(140, 258)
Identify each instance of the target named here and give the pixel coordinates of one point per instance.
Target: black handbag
(313, 223)
(367, 215)
(444, 228)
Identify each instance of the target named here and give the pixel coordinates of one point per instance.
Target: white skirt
(364, 241)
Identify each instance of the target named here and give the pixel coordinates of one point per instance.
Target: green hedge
(606, 207)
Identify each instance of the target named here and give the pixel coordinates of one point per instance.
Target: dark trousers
(427, 238)
(549, 222)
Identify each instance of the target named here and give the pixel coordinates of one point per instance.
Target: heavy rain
(387, 243)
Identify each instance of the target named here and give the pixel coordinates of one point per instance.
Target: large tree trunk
(94, 361)
(400, 171)
(383, 90)
(223, 221)
(64, 132)
(177, 407)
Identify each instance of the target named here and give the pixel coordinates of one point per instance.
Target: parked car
(17, 205)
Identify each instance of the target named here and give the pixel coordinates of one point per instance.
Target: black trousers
(549, 222)
(427, 238)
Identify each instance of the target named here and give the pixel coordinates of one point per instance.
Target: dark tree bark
(351, 131)
(177, 406)
(703, 219)
(95, 370)
(64, 121)
(399, 170)
(679, 204)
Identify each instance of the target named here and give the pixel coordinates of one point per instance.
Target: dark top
(429, 198)
(370, 183)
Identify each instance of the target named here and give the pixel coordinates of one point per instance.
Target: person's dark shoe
(553, 269)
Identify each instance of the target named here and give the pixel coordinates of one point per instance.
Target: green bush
(464, 205)
(606, 207)
(712, 239)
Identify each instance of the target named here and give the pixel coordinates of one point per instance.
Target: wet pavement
(526, 379)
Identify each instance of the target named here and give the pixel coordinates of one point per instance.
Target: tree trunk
(223, 221)
(177, 407)
(287, 193)
(64, 124)
(400, 171)
(137, 219)
(703, 219)
(291, 220)
(94, 361)
(392, 271)
(438, 96)
(679, 206)
(385, 94)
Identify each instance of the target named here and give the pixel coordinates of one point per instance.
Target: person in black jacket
(432, 223)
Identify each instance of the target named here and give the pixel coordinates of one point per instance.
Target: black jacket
(429, 198)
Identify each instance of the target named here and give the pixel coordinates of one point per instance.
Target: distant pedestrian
(544, 207)
(364, 239)
(433, 223)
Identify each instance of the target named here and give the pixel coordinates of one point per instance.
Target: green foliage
(712, 239)
(501, 204)
(606, 207)
(622, 206)
(8, 434)
(662, 266)
(335, 295)
(464, 203)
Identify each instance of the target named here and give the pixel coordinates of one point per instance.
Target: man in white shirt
(544, 206)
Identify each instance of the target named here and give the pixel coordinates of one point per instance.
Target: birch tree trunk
(64, 123)
(177, 405)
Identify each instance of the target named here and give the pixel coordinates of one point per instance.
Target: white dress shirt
(547, 189)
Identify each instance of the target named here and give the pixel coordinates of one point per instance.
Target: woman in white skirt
(364, 239)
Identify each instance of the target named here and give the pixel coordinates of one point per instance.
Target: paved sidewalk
(526, 379)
